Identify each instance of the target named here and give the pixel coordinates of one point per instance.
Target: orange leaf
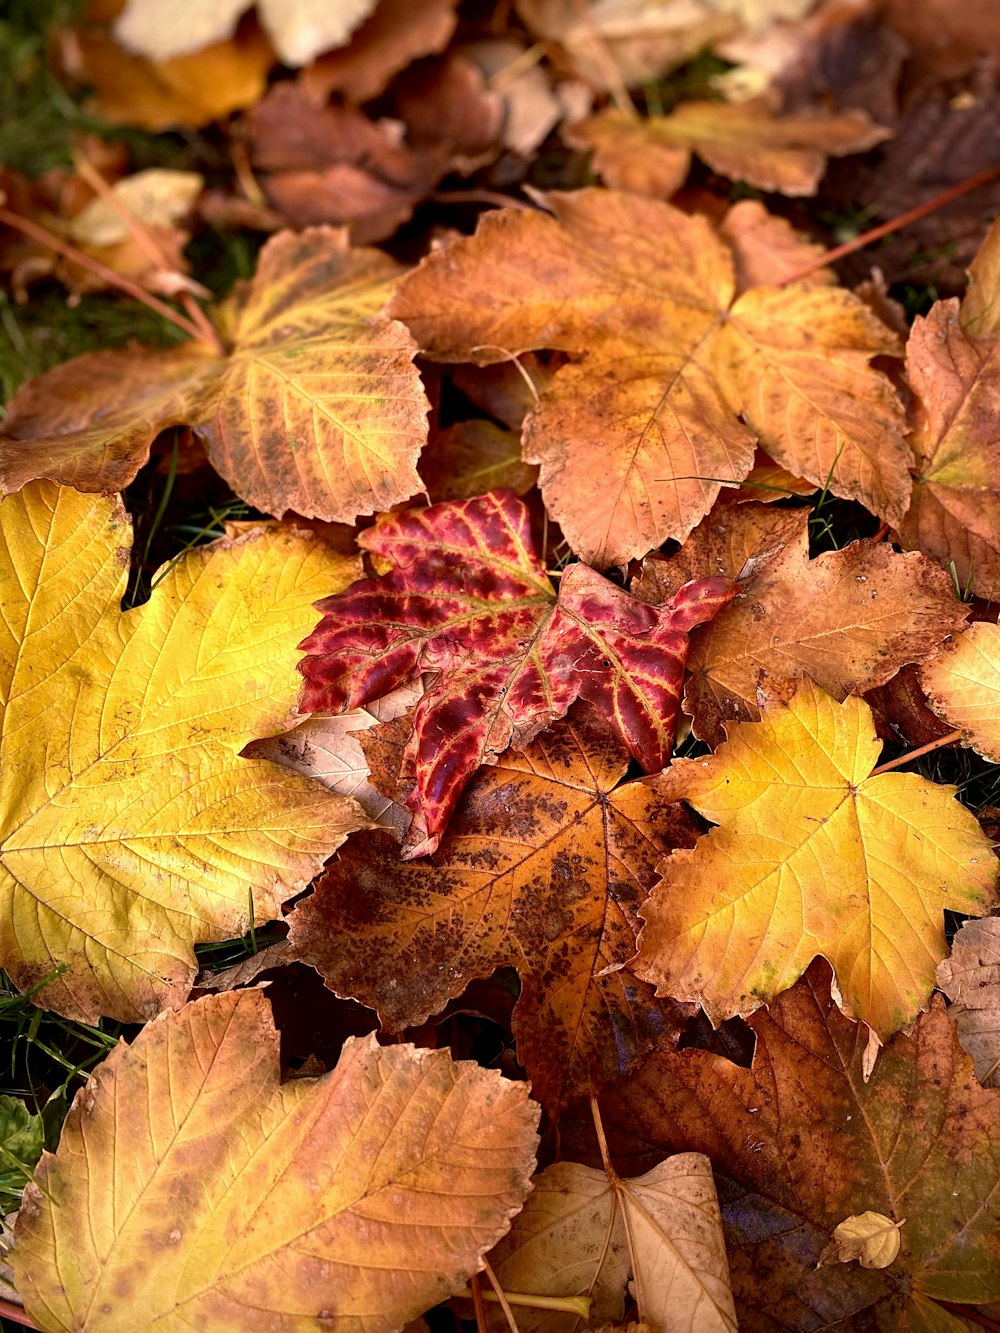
(195, 1191)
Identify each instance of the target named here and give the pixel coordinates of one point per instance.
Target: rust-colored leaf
(745, 141)
(675, 380)
(317, 407)
(802, 1141)
(194, 1191)
(848, 619)
(970, 978)
(544, 866)
(467, 597)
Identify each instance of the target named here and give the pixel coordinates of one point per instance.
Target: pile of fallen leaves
(569, 560)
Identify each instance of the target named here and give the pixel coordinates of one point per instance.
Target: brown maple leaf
(544, 866)
(677, 378)
(468, 598)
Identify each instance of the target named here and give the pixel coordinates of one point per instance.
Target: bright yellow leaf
(130, 828)
(192, 1191)
(812, 856)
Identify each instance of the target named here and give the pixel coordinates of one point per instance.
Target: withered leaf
(543, 868)
(963, 687)
(676, 380)
(467, 597)
(971, 980)
(193, 1188)
(801, 1141)
(813, 855)
(744, 140)
(848, 619)
(317, 408)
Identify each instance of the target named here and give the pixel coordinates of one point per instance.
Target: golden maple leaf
(813, 856)
(198, 1192)
(130, 828)
(678, 377)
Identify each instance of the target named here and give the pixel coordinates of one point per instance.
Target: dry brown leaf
(543, 868)
(396, 33)
(746, 142)
(472, 457)
(971, 980)
(195, 1191)
(581, 1233)
(676, 381)
(848, 619)
(768, 250)
(871, 1238)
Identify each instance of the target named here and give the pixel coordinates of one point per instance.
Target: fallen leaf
(963, 687)
(203, 1193)
(581, 1230)
(955, 512)
(394, 34)
(299, 29)
(812, 856)
(329, 749)
(745, 141)
(532, 107)
(131, 829)
(472, 457)
(768, 250)
(971, 980)
(870, 1238)
(156, 95)
(317, 407)
(636, 439)
(446, 102)
(848, 619)
(466, 596)
(157, 197)
(543, 868)
(800, 1142)
(950, 38)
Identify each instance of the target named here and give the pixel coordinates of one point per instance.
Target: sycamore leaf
(801, 1141)
(468, 597)
(971, 980)
(130, 828)
(299, 29)
(317, 408)
(676, 380)
(870, 1238)
(963, 687)
(581, 1233)
(953, 367)
(848, 619)
(768, 250)
(330, 749)
(191, 1187)
(745, 141)
(543, 868)
(812, 856)
(471, 457)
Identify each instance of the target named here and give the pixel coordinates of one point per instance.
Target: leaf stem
(478, 1304)
(501, 1298)
(921, 750)
(576, 1305)
(966, 1312)
(894, 224)
(45, 237)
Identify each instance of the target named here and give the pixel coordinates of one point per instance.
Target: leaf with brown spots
(192, 1187)
(848, 619)
(316, 408)
(802, 1141)
(468, 598)
(130, 828)
(544, 866)
(745, 141)
(676, 378)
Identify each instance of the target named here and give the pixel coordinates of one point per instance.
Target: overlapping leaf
(676, 380)
(130, 828)
(970, 978)
(582, 1229)
(743, 140)
(468, 598)
(195, 1192)
(848, 619)
(802, 1141)
(812, 856)
(544, 866)
(963, 687)
(317, 407)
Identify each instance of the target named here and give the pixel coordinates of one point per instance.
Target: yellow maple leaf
(963, 687)
(130, 828)
(194, 1191)
(813, 856)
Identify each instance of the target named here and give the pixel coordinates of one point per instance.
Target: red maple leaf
(468, 598)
